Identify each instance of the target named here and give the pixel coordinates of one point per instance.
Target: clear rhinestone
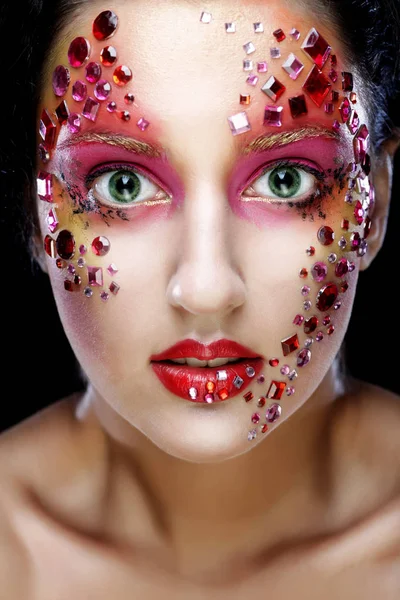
(238, 382)
(258, 28)
(206, 17)
(239, 123)
(230, 27)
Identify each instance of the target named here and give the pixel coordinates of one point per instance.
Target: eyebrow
(260, 144)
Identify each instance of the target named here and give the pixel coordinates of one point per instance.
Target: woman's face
(229, 205)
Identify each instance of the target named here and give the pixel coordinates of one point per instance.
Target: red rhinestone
(326, 236)
(210, 386)
(47, 129)
(100, 246)
(330, 330)
(326, 321)
(256, 418)
(65, 244)
(298, 106)
(274, 362)
(303, 274)
(78, 52)
(62, 112)
(108, 56)
(61, 264)
(261, 402)
(276, 390)
(310, 325)
(264, 429)
(223, 394)
(105, 25)
(326, 297)
(317, 86)
(279, 35)
(249, 396)
(68, 285)
(317, 48)
(122, 75)
(347, 82)
(290, 345)
(50, 246)
(344, 286)
(310, 251)
(342, 268)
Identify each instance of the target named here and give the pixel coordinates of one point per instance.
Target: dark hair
(369, 28)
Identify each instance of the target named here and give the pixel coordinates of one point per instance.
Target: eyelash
(293, 163)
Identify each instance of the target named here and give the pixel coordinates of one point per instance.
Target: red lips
(207, 384)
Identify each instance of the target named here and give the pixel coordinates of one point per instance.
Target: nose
(206, 280)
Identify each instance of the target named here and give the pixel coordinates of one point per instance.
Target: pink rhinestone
(344, 110)
(45, 186)
(285, 370)
(273, 116)
(114, 288)
(112, 269)
(252, 80)
(256, 418)
(294, 34)
(336, 125)
(316, 47)
(95, 275)
(354, 122)
(79, 91)
(74, 123)
(61, 79)
(111, 107)
(293, 66)
(129, 98)
(93, 72)
(230, 27)
(102, 90)
(290, 391)
(104, 296)
(82, 249)
(209, 398)
(247, 65)
(303, 358)
(305, 290)
(90, 109)
(71, 269)
(47, 129)
(262, 67)
(319, 337)
(239, 123)
(52, 221)
(359, 213)
(329, 108)
(273, 413)
(319, 271)
(78, 52)
(298, 320)
(333, 75)
(143, 124)
(81, 262)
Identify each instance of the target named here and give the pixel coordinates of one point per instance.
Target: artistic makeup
(301, 161)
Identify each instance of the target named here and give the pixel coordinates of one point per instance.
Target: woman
(210, 182)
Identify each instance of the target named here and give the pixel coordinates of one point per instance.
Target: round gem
(293, 375)
(102, 90)
(65, 244)
(273, 413)
(78, 52)
(71, 269)
(100, 246)
(261, 379)
(193, 393)
(305, 290)
(108, 56)
(250, 371)
(252, 435)
(326, 235)
(74, 123)
(308, 343)
(88, 292)
(307, 305)
(79, 91)
(125, 115)
(129, 99)
(210, 386)
(303, 274)
(327, 297)
(104, 296)
(332, 258)
(337, 306)
(285, 370)
(326, 321)
(261, 402)
(342, 268)
(342, 243)
(61, 79)
(122, 75)
(298, 320)
(93, 72)
(310, 251)
(256, 418)
(274, 362)
(209, 398)
(330, 330)
(111, 107)
(319, 337)
(60, 263)
(105, 25)
(290, 391)
(303, 357)
(310, 325)
(319, 272)
(81, 262)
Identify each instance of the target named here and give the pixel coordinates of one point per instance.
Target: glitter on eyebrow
(120, 141)
(266, 142)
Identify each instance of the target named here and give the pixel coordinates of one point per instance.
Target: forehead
(189, 72)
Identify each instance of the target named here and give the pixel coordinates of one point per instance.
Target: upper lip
(193, 349)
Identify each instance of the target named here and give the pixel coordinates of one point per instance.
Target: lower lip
(179, 379)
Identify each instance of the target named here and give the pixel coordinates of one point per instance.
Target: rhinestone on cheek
(230, 27)
(290, 344)
(52, 220)
(310, 325)
(245, 99)
(276, 390)
(112, 269)
(101, 246)
(79, 91)
(78, 52)
(303, 358)
(47, 129)
(262, 67)
(319, 271)
(61, 80)
(65, 244)
(50, 246)
(105, 25)
(91, 109)
(261, 379)
(44, 185)
(249, 48)
(279, 35)
(122, 75)
(62, 112)
(102, 90)
(248, 397)
(327, 297)
(111, 107)
(273, 413)
(129, 98)
(294, 34)
(252, 80)
(74, 123)
(326, 236)
(95, 276)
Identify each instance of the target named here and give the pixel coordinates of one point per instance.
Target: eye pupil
(285, 181)
(124, 186)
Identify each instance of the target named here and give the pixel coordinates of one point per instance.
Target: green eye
(285, 182)
(124, 187)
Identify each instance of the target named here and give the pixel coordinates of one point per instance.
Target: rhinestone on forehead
(273, 88)
(293, 66)
(273, 116)
(239, 123)
(316, 47)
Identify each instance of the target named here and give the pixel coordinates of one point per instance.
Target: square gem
(249, 48)
(262, 67)
(247, 65)
(273, 88)
(91, 109)
(298, 106)
(252, 80)
(273, 116)
(294, 34)
(275, 53)
(230, 27)
(95, 276)
(206, 17)
(239, 123)
(143, 124)
(293, 66)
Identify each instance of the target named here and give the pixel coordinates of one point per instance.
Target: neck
(255, 498)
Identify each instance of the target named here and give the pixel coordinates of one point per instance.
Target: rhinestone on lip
(239, 123)
(293, 66)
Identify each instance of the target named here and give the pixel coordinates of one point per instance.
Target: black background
(38, 365)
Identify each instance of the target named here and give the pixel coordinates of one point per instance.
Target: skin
(188, 469)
